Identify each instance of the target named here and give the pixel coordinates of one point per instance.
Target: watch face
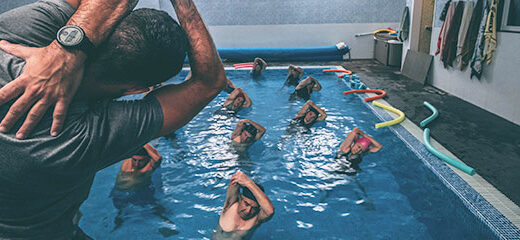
(70, 36)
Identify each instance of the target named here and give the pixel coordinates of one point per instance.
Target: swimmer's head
(310, 116)
(360, 145)
(238, 102)
(249, 133)
(147, 47)
(140, 159)
(303, 92)
(248, 206)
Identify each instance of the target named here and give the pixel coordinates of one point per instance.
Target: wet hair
(314, 110)
(248, 127)
(148, 47)
(248, 194)
(141, 152)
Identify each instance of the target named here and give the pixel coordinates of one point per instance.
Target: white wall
(498, 90)
(299, 35)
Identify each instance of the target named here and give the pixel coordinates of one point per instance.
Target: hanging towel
(469, 44)
(404, 27)
(490, 34)
(463, 32)
(476, 62)
(449, 51)
(445, 25)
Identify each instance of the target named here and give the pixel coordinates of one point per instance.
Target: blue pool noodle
(430, 118)
(426, 139)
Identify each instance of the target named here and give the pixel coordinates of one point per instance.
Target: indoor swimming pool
(394, 196)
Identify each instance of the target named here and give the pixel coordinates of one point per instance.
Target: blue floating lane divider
(432, 117)
(426, 139)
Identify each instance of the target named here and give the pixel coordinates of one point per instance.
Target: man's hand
(241, 179)
(51, 76)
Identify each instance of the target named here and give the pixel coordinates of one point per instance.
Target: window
(511, 16)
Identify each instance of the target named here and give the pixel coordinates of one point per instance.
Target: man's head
(140, 159)
(148, 47)
(238, 102)
(310, 116)
(248, 134)
(248, 206)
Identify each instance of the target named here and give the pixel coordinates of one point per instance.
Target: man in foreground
(44, 180)
(243, 211)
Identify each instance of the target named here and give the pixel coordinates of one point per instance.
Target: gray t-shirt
(44, 179)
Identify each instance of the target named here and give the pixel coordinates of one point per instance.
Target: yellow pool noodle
(391, 109)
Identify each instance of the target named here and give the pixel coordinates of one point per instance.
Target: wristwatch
(73, 37)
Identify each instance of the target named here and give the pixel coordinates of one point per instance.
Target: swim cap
(365, 142)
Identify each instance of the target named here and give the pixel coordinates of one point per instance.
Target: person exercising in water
(309, 114)
(356, 145)
(243, 211)
(247, 132)
(305, 88)
(294, 75)
(136, 171)
(237, 100)
(259, 66)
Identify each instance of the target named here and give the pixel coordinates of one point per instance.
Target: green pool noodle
(432, 117)
(463, 167)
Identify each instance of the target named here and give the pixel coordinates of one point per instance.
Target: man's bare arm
(238, 129)
(52, 74)
(266, 207)
(248, 101)
(231, 97)
(303, 110)
(232, 193)
(180, 103)
(323, 114)
(260, 128)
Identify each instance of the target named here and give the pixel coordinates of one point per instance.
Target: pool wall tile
(474, 201)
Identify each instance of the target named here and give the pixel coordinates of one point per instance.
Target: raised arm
(375, 146)
(238, 129)
(248, 101)
(347, 143)
(260, 128)
(317, 85)
(52, 74)
(180, 103)
(303, 110)
(233, 191)
(232, 96)
(323, 114)
(266, 207)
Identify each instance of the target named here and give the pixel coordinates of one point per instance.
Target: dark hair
(142, 152)
(248, 194)
(148, 47)
(303, 93)
(250, 129)
(314, 110)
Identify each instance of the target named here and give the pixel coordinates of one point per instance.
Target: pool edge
(479, 196)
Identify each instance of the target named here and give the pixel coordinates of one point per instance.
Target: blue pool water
(395, 196)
